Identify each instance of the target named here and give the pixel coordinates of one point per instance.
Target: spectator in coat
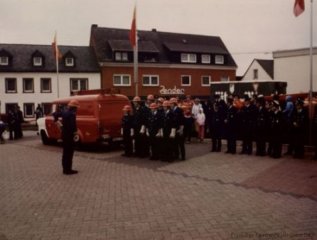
(200, 119)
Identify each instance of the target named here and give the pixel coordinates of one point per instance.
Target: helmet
(153, 106)
(173, 100)
(136, 99)
(127, 108)
(150, 97)
(73, 103)
(166, 104)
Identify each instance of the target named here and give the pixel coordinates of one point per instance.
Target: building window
(4, 61)
(28, 110)
(121, 56)
(78, 84)
(37, 61)
(46, 85)
(47, 108)
(188, 58)
(121, 80)
(28, 85)
(225, 79)
(186, 80)
(69, 62)
(205, 58)
(150, 80)
(219, 59)
(205, 81)
(255, 73)
(11, 85)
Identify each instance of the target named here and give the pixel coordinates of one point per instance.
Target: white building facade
(28, 76)
(293, 66)
(259, 69)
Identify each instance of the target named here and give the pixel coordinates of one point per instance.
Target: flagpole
(311, 75)
(57, 65)
(135, 56)
(57, 73)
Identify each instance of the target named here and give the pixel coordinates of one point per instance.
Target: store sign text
(171, 91)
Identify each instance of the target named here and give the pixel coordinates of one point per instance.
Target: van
(98, 118)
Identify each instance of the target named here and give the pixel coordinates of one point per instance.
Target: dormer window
(37, 61)
(219, 59)
(205, 58)
(4, 61)
(188, 58)
(121, 56)
(69, 62)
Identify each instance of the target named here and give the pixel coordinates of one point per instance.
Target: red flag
(132, 34)
(299, 7)
(57, 53)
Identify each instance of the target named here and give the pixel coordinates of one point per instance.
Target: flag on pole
(132, 35)
(57, 53)
(299, 7)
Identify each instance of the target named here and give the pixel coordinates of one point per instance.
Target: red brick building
(169, 63)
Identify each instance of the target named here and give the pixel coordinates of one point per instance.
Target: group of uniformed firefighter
(156, 129)
(266, 123)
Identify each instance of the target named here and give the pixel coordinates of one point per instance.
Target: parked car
(98, 119)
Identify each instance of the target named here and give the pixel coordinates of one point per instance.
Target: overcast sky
(249, 28)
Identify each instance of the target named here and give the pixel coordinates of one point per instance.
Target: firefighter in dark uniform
(12, 120)
(140, 113)
(127, 130)
(168, 127)
(300, 123)
(155, 131)
(277, 125)
(216, 128)
(261, 126)
(231, 126)
(179, 146)
(69, 135)
(248, 115)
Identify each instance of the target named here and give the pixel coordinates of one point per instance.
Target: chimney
(154, 30)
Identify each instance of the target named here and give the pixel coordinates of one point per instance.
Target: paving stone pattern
(208, 196)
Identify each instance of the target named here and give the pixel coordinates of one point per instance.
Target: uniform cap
(136, 99)
(73, 103)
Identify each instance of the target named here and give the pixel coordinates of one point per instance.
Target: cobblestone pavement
(208, 196)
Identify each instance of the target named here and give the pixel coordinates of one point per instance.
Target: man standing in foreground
(69, 132)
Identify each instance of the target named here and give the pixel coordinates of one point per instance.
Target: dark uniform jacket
(155, 123)
(168, 123)
(69, 124)
(127, 124)
(216, 124)
(231, 120)
(140, 118)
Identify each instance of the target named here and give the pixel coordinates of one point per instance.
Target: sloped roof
(124, 45)
(22, 58)
(268, 66)
(159, 42)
